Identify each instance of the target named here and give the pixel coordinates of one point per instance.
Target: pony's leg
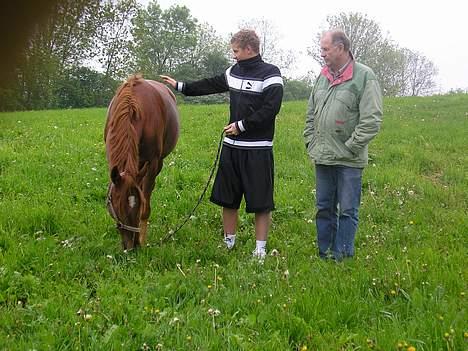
(129, 239)
(143, 232)
(148, 186)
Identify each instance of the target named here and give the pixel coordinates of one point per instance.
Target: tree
(83, 87)
(419, 74)
(114, 37)
(211, 52)
(269, 40)
(163, 40)
(390, 63)
(63, 41)
(296, 89)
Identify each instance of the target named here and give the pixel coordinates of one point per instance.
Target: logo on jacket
(249, 85)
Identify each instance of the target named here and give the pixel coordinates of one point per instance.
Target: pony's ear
(115, 175)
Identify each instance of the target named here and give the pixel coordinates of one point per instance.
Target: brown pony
(142, 128)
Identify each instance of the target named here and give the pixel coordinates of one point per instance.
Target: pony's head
(126, 203)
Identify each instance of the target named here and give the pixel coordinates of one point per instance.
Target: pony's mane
(122, 136)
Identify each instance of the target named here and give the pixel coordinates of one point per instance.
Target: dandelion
(370, 343)
(303, 348)
(411, 348)
(214, 312)
(274, 252)
(411, 222)
(209, 286)
(189, 338)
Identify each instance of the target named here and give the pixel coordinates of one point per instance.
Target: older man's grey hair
(338, 36)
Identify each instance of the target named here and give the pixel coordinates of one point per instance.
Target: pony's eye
(131, 201)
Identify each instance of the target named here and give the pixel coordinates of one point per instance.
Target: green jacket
(343, 117)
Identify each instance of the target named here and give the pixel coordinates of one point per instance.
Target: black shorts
(248, 173)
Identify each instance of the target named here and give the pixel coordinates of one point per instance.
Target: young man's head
(245, 44)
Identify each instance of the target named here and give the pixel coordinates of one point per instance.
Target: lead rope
(171, 233)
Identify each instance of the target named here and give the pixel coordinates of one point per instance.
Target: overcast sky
(436, 29)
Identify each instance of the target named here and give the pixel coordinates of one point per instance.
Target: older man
(343, 116)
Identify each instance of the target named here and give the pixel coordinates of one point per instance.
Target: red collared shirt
(344, 74)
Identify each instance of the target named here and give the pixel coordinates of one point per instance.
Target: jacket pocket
(346, 115)
(347, 100)
(338, 150)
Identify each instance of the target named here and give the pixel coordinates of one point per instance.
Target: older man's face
(330, 53)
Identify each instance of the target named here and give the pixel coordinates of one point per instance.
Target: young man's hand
(169, 80)
(231, 129)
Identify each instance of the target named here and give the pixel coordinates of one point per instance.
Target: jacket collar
(343, 76)
(250, 61)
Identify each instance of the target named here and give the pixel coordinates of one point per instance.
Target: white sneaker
(229, 241)
(259, 255)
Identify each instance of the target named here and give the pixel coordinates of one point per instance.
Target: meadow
(66, 284)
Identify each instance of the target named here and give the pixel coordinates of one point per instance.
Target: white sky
(436, 29)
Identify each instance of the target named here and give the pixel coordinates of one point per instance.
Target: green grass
(65, 283)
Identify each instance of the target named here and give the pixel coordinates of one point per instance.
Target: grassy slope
(60, 254)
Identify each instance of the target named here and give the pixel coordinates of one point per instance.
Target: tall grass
(66, 284)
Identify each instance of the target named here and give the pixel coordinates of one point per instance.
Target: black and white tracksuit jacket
(256, 92)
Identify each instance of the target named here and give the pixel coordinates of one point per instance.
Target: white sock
(261, 245)
(230, 240)
(230, 236)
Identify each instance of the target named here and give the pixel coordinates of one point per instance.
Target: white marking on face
(131, 201)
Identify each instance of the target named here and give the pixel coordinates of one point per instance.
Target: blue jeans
(338, 192)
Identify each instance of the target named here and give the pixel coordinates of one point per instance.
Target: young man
(343, 116)
(246, 167)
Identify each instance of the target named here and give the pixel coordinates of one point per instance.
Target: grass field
(65, 283)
